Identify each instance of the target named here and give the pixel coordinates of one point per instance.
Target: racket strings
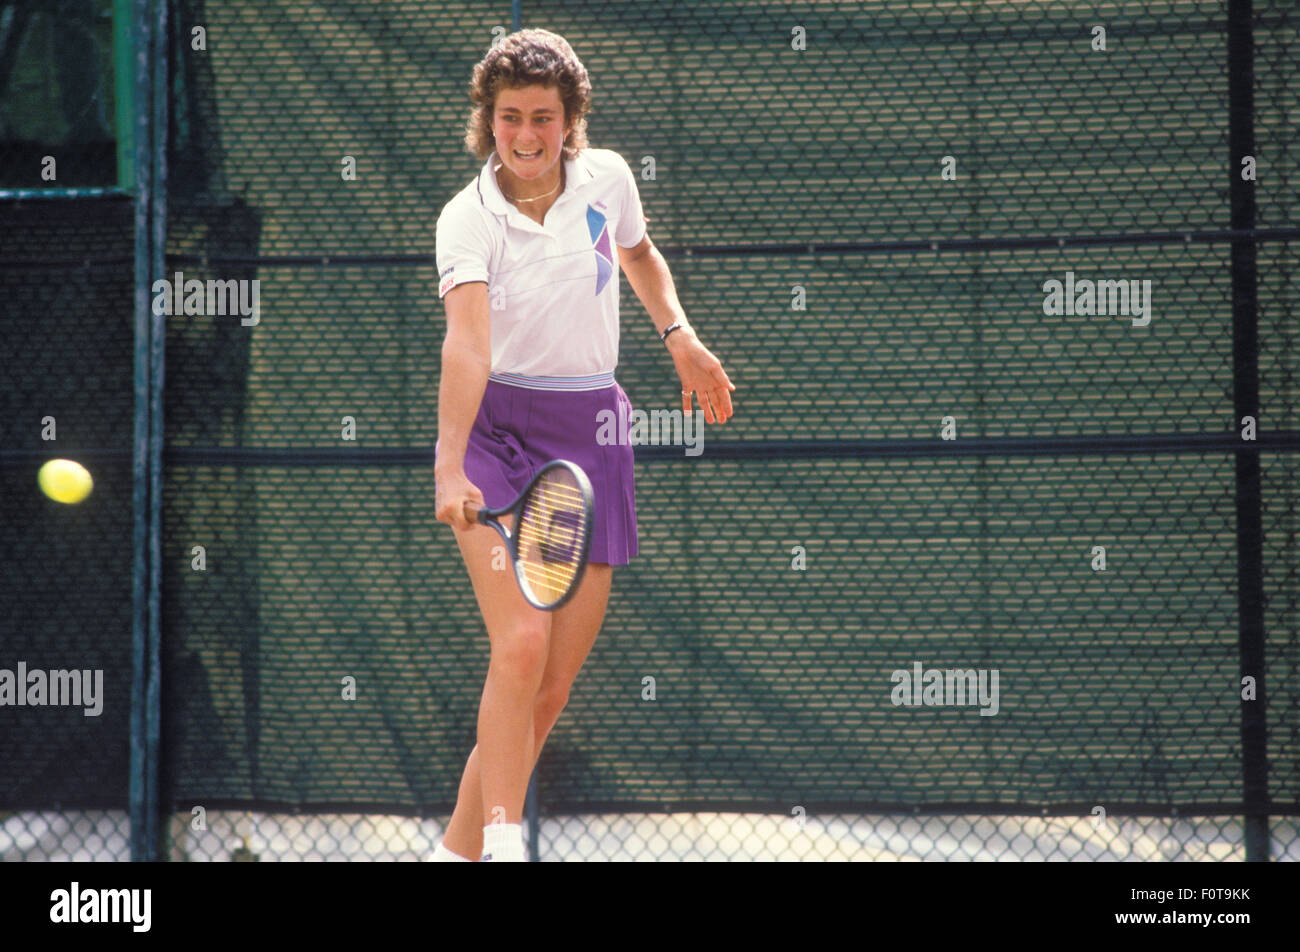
(552, 526)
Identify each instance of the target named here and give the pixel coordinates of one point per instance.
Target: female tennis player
(528, 257)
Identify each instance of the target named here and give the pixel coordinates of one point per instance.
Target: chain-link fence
(941, 462)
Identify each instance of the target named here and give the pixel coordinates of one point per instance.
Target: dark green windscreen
(827, 536)
(771, 682)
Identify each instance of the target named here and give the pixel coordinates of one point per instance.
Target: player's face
(528, 124)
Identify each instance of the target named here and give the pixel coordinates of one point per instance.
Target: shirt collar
(577, 173)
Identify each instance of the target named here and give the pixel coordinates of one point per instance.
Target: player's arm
(700, 372)
(647, 272)
(466, 361)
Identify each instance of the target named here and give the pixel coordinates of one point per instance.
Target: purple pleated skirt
(519, 429)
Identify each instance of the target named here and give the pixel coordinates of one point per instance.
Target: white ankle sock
(444, 855)
(503, 842)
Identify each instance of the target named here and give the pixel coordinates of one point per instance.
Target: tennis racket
(551, 537)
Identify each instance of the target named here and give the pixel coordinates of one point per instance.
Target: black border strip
(778, 249)
(1283, 441)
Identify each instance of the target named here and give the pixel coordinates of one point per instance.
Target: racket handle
(473, 512)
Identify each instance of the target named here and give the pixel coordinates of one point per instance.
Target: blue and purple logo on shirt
(598, 225)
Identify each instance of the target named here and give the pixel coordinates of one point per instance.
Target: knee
(551, 700)
(520, 653)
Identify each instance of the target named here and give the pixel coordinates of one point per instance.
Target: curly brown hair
(528, 58)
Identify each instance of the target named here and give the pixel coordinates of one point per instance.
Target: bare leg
(574, 628)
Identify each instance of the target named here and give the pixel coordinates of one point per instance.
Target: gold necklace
(539, 197)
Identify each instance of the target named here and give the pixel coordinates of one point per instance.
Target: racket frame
(491, 517)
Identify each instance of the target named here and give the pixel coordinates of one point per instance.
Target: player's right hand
(452, 491)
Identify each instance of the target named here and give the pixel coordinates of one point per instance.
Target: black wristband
(674, 326)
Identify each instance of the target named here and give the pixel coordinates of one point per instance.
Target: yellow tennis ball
(64, 480)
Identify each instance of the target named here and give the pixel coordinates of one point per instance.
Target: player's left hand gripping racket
(551, 536)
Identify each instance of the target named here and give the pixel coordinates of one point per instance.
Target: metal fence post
(530, 814)
(1245, 359)
(150, 90)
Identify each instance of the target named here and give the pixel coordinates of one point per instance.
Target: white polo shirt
(552, 288)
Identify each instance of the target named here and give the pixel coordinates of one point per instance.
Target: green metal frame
(149, 121)
(124, 92)
(124, 118)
